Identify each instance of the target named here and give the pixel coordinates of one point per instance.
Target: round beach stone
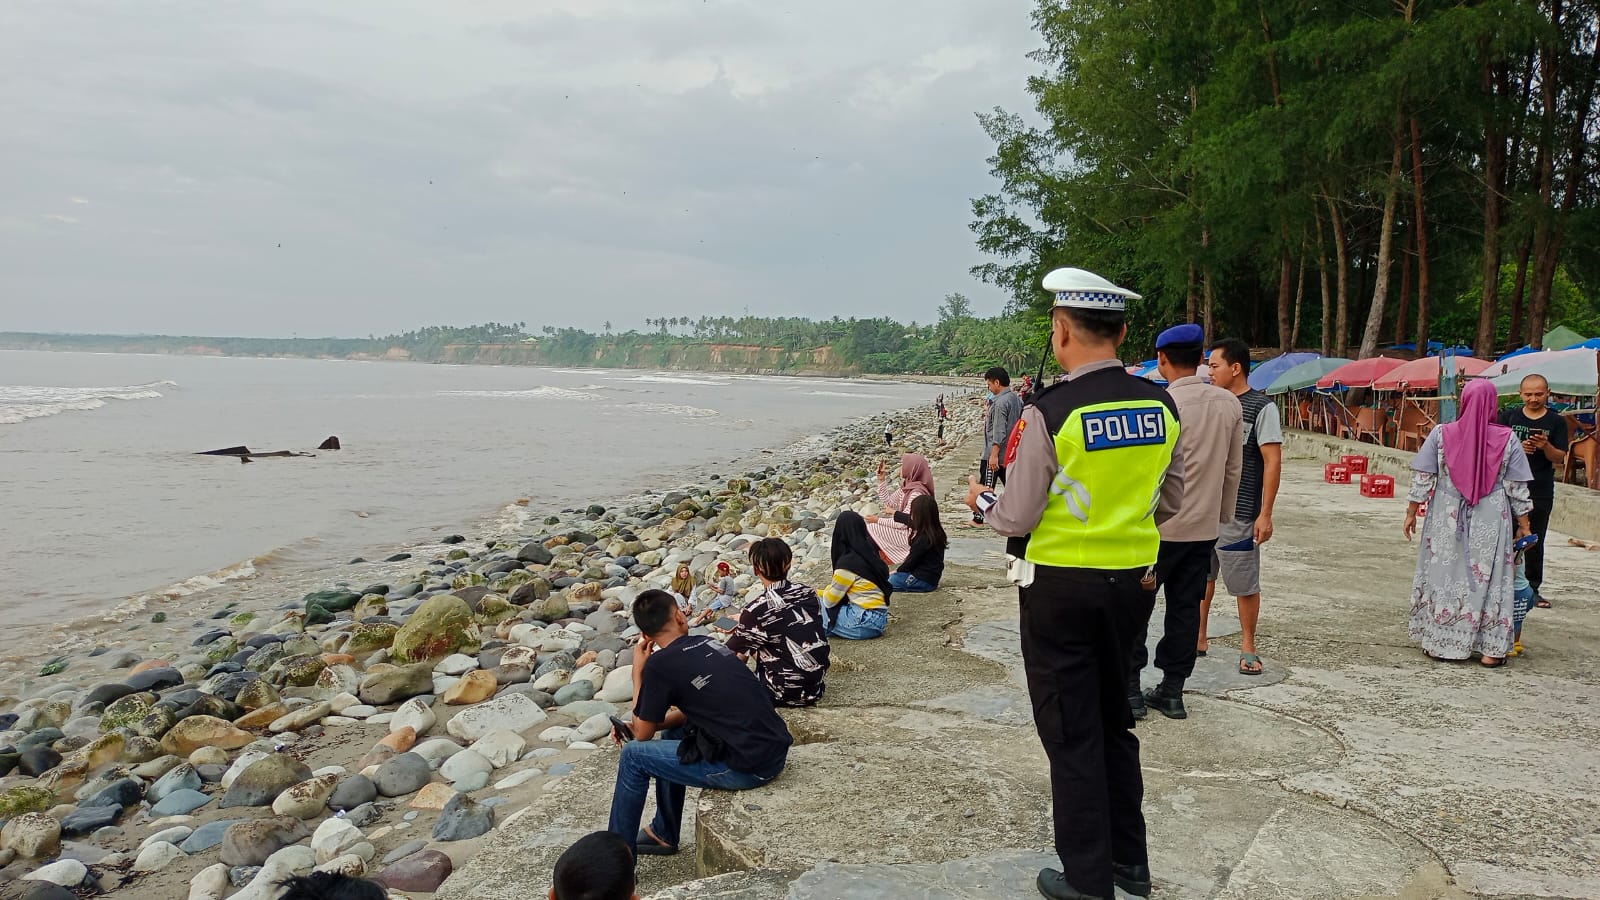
(474, 687)
(69, 873)
(394, 684)
(404, 774)
(204, 731)
(413, 713)
(89, 820)
(421, 871)
(306, 800)
(179, 778)
(157, 856)
(500, 748)
(353, 792)
(264, 780)
(180, 803)
(463, 819)
(618, 685)
(32, 836)
(463, 764)
(333, 837)
(250, 843)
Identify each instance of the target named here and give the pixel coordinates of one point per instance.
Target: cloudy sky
(370, 166)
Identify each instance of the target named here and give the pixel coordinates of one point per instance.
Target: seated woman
(783, 629)
(892, 537)
(923, 566)
(856, 601)
(722, 595)
(683, 589)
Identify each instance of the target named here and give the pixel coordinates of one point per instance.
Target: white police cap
(1082, 289)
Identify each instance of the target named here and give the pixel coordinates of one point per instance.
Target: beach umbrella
(1360, 373)
(1424, 373)
(1561, 338)
(1520, 351)
(1262, 376)
(1306, 374)
(1590, 344)
(1568, 371)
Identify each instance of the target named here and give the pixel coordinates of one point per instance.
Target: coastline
(241, 583)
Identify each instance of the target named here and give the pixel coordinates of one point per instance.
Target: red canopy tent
(1359, 374)
(1423, 374)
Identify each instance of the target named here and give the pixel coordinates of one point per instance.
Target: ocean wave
(848, 394)
(672, 409)
(543, 392)
(239, 571)
(21, 402)
(665, 378)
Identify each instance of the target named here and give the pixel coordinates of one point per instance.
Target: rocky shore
(378, 727)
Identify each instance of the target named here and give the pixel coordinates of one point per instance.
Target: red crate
(1373, 485)
(1336, 473)
(1357, 464)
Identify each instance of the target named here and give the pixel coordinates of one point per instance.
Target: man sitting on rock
(721, 730)
(597, 866)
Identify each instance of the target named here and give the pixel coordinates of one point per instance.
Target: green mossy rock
(336, 600)
(442, 625)
(25, 799)
(371, 638)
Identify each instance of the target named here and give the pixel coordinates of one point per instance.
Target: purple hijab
(1475, 443)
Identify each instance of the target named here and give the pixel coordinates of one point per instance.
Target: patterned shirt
(784, 632)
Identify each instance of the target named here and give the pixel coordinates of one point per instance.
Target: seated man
(596, 867)
(723, 734)
(783, 630)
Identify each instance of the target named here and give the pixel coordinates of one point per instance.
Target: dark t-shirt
(783, 630)
(718, 694)
(1544, 471)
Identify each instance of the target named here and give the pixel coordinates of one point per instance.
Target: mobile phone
(622, 729)
(1525, 542)
(726, 623)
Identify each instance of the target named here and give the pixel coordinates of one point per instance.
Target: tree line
(1332, 175)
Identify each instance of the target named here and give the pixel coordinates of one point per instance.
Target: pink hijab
(1475, 443)
(914, 470)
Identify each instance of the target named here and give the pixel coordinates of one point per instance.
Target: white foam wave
(543, 392)
(848, 394)
(672, 409)
(665, 378)
(21, 402)
(239, 571)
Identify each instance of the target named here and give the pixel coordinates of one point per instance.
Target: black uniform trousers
(988, 476)
(1181, 569)
(1538, 523)
(1077, 627)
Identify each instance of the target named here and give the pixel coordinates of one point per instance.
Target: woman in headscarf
(1474, 477)
(683, 588)
(856, 601)
(916, 480)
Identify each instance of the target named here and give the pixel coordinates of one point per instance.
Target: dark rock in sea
(352, 792)
(36, 761)
(357, 561)
(334, 600)
(463, 819)
(375, 589)
(86, 820)
(317, 615)
(154, 679)
(535, 553)
(398, 557)
(210, 636)
(453, 539)
(122, 792)
(223, 613)
(410, 590)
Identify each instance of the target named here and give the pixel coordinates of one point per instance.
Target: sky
(371, 166)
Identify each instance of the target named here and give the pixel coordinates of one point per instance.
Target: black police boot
(1136, 705)
(1054, 885)
(1133, 879)
(1167, 699)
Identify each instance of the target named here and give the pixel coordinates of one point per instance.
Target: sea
(107, 503)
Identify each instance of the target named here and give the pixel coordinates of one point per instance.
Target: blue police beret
(1181, 336)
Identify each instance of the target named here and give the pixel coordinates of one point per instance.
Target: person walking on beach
(1544, 439)
(1004, 410)
(1212, 455)
(1095, 456)
(888, 432)
(1474, 476)
(1238, 554)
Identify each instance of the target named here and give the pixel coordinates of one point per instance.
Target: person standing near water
(1097, 467)
(1544, 439)
(888, 432)
(1004, 410)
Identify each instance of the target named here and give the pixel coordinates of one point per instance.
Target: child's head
(329, 886)
(597, 867)
(724, 569)
(771, 558)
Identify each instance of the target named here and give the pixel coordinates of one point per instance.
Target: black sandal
(648, 844)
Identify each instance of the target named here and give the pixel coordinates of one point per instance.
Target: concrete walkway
(1354, 767)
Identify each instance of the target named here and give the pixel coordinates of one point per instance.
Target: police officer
(1094, 466)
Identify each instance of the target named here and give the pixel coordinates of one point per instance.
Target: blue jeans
(853, 623)
(911, 584)
(643, 761)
